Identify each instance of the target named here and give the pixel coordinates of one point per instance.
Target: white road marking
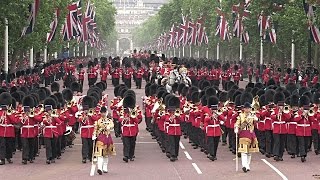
(177, 172)
(195, 166)
(275, 169)
(181, 145)
(188, 155)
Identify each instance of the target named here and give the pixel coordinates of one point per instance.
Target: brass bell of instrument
(177, 112)
(133, 113)
(286, 109)
(90, 112)
(31, 114)
(311, 112)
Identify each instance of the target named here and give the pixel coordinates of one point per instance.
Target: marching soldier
(292, 126)
(139, 74)
(115, 74)
(104, 147)
(28, 119)
(7, 132)
(130, 117)
(104, 73)
(81, 73)
(115, 110)
(127, 75)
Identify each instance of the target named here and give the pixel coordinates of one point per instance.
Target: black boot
(48, 161)
(84, 160)
(99, 172)
(303, 159)
(24, 161)
(2, 162)
(125, 159)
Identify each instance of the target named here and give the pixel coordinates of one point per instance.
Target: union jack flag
(222, 26)
(201, 32)
(71, 28)
(172, 34)
(314, 31)
(53, 26)
(185, 30)
(34, 10)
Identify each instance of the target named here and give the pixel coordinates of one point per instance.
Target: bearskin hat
(259, 85)
(28, 101)
(262, 100)
(210, 91)
(36, 98)
(204, 84)
(88, 102)
(16, 96)
(286, 93)
(254, 91)
(291, 87)
(235, 94)
(193, 89)
(204, 100)
(173, 102)
(175, 87)
(5, 99)
(271, 82)
(246, 97)
(309, 94)
(24, 89)
(269, 95)
(278, 97)
(130, 92)
(250, 84)
(122, 92)
(248, 89)
(129, 102)
(237, 100)
(302, 90)
(160, 93)
(48, 93)
(184, 91)
(153, 89)
(229, 85)
(67, 94)
(236, 67)
(287, 100)
(304, 101)
(316, 98)
(294, 100)
(80, 66)
(50, 102)
(212, 101)
(60, 98)
(55, 87)
(315, 71)
(13, 89)
(100, 85)
(223, 96)
(75, 87)
(116, 90)
(230, 94)
(195, 97)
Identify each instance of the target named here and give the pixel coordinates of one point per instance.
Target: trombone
(10, 110)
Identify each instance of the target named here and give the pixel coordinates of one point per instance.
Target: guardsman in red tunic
(50, 132)
(173, 118)
(304, 82)
(213, 119)
(236, 75)
(87, 118)
(280, 117)
(196, 119)
(315, 77)
(315, 124)
(81, 73)
(276, 76)
(304, 116)
(250, 72)
(130, 117)
(115, 74)
(287, 76)
(115, 106)
(7, 132)
(127, 75)
(104, 73)
(139, 74)
(28, 120)
(91, 74)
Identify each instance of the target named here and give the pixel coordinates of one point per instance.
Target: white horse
(175, 77)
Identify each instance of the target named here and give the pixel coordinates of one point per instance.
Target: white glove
(94, 137)
(236, 130)
(222, 122)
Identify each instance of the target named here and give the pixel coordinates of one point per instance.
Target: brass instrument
(286, 109)
(311, 112)
(70, 104)
(255, 103)
(121, 113)
(177, 112)
(162, 110)
(133, 113)
(54, 113)
(32, 113)
(10, 110)
(219, 111)
(90, 112)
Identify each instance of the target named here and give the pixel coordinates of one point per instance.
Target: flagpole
(74, 51)
(190, 51)
(292, 51)
(198, 53)
(31, 58)
(85, 49)
(261, 51)
(179, 52)
(182, 51)
(174, 52)
(55, 55)
(218, 51)
(45, 54)
(241, 50)
(78, 50)
(207, 53)
(68, 49)
(6, 49)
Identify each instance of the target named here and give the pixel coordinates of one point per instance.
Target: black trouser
(47, 81)
(163, 139)
(91, 81)
(173, 146)
(213, 143)
(250, 78)
(261, 139)
(189, 130)
(115, 81)
(225, 133)
(231, 139)
(28, 145)
(6, 147)
(117, 127)
(303, 142)
(201, 136)
(279, 143)
(75, 127)
(63, 142)
(138, 83)
(58, 146)
(315, 139)
(194, 136)
(269, 141)
(127, 82)
(18, 143)
(36, 146)
(129, 144)
(292, 144)
(87, 145)
(148, 122)
(257, 79)
(81, 82)
(51, 152)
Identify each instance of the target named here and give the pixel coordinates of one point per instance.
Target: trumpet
(90, 112)
(286, 109)
(177, 112)
(10, 111)
(133, 113)
(70, 104)
(311, 112)
(54, 113)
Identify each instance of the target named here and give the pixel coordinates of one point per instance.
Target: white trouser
(100, 163)
(105, 164)
(246, 160)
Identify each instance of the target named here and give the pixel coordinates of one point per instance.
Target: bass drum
(70, 134)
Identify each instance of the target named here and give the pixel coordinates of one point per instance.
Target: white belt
(215, 125)
(28, 126)
(279, 122)
(293, 123)
(71, 115)
(175, 125)
(88, 126)
(129, 125)
(50, 127)
(6, 125)
(262, 121)
(303, 125)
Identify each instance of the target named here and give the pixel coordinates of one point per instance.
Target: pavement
(151, 164)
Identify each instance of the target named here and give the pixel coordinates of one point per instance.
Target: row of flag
(187, 33)
(77, 26)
